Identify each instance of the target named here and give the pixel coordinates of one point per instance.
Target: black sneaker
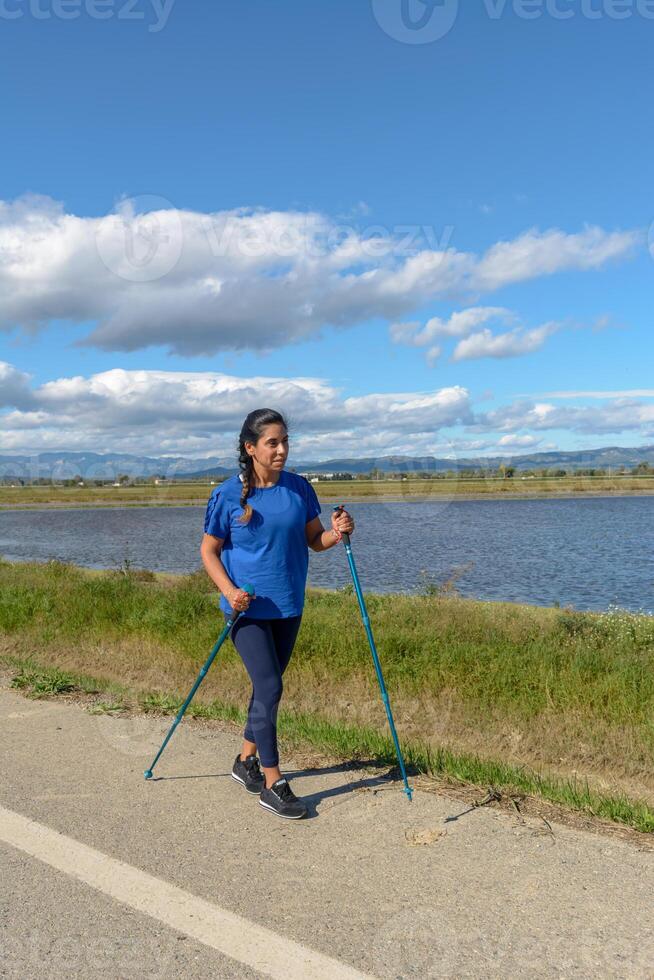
(281, 799)
(249, 774)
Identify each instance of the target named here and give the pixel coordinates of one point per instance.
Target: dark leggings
(265, 647)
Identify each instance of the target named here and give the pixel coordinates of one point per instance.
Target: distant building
(315, 478)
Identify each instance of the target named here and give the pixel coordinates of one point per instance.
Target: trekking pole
(210, 659)
(375, 657)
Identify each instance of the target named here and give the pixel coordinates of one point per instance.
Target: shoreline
(354, 499)
(147, 575)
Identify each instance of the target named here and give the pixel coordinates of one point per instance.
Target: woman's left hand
(342, 522)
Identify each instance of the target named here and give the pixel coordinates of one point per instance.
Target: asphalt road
(106, 875)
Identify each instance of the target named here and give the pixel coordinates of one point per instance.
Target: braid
(246, 467)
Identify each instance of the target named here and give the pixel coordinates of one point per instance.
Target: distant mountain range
(96, 466)
(104, 466)
(611, 456)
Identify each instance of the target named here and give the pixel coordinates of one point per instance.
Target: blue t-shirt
(270, 552)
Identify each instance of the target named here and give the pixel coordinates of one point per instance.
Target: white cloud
(14, 387)
(200, 413)
(536, 253)
(514, 343)
(605, 322)
(246, 279)
(513, 441)
(473, 343)
(460, 324)
(406, 333)
(619, 415)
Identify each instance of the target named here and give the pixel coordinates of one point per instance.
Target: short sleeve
(311, 499)
(216, 520)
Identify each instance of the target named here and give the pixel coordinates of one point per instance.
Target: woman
(258, 526)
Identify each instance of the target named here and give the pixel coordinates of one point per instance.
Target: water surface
(586, 553)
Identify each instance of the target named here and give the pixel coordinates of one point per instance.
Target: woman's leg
(266, 651)
(284, 632)
(253, 639)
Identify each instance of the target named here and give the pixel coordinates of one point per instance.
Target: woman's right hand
(239, 600)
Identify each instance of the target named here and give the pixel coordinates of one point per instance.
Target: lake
(587, 553)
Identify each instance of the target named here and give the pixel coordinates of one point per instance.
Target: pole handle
(344, 535)
(250, 591)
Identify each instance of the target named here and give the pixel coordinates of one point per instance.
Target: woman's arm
(319, 539)
(210, 554)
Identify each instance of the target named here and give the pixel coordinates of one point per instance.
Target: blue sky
(530, 132)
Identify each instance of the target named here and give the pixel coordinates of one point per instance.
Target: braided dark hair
(251, 431)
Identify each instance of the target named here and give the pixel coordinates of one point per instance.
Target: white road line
(231, 934)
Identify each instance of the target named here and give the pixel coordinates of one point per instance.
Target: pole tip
(148, 773)
(248, 588)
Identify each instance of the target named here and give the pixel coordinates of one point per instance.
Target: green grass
(565, 699)
(364, 743)
(38, 683)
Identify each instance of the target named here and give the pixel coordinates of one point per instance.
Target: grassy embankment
(546, 702)
(348, 490)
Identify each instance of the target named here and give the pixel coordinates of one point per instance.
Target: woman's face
(271, 448)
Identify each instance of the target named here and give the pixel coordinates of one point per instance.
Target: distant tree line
(504, 472)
